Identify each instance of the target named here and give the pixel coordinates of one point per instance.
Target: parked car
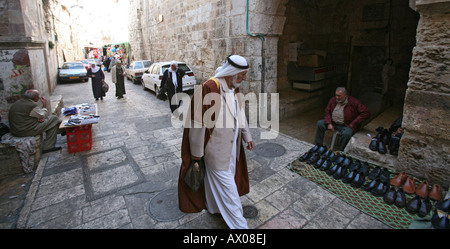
(136, 69)
(72, 71)
(86, 63)
(97, 62)
(152, 77)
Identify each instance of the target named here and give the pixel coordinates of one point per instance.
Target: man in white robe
(226, 168)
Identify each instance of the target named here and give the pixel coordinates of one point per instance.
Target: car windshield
(147, 64)
(84, 62)
(72, 66)
(184, 67)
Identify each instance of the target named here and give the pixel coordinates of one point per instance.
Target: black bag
(195, 175)
(105, 86)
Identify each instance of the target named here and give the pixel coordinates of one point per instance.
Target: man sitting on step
(343, 113)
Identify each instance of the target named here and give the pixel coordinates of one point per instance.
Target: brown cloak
(194, 202)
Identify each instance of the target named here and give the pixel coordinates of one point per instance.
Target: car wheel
(142, 84)
(157, 90)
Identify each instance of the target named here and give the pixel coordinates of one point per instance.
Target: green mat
(374, 206)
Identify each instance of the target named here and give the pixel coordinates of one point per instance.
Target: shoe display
(315, 148)
(400, 198)
(305, 157)
(410, 186)
(399, 179)
(319, 162)
(348, 178)
(439, 220)
(326, 165)
(436, 192)
(313, 159)
(374, 173)
(333, 169)
(358, 181)
(444, 205)
(413, 205)
(340, 172)
(425, 208)
(384, 175)
(370, 185)
(380, 189)
(389, 196)
(321, 150)
(381, 147)
(364, 169)
(422, 189)
(373, 144)
(355, 165)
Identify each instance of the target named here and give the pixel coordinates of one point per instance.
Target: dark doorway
(365, 83)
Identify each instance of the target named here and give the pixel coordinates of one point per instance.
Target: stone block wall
(425, 146)
(203, 33)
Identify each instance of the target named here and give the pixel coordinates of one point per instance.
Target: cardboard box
(312, 60)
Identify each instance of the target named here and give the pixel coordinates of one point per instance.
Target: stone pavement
(129, 177)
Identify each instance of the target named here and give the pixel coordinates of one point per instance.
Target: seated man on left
(29, 117)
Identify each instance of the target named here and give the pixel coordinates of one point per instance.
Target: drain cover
(164, 206)
(270, 150)
(250, 212)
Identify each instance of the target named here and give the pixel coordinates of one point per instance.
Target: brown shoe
(422, 189)
(399, 180)
(410, 186)
(436, 193)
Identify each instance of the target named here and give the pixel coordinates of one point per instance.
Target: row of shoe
(422, 190)
(386, 139)
(416, 205)
(337, 165)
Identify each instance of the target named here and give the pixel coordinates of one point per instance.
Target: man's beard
(235, 84)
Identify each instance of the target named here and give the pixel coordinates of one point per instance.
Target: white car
(136, 69)
(153, 76)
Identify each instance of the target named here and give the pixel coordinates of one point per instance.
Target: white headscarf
(234, 65)
(95, 69)
(174, 73)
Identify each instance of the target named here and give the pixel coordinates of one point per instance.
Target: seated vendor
(343, 113)
(29, 117)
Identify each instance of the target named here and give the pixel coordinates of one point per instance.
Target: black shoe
(358, 181)
(51, 150)
(425, 208)
(305, 157)
(374, 173)
(400, 198)
(364, 169)
(371, 185)
(384, 175)
(380, 189)
(348, 178)
(340, 172)
(413, 205)
(389, 197)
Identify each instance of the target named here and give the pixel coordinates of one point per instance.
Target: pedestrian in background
(97, 76)
(118, 78)
(172, 83)
(220, 147)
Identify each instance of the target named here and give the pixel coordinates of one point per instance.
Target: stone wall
(425, 146)
(203, 33)
(34, 35)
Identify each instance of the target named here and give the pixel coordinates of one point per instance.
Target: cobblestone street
(129, 177)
